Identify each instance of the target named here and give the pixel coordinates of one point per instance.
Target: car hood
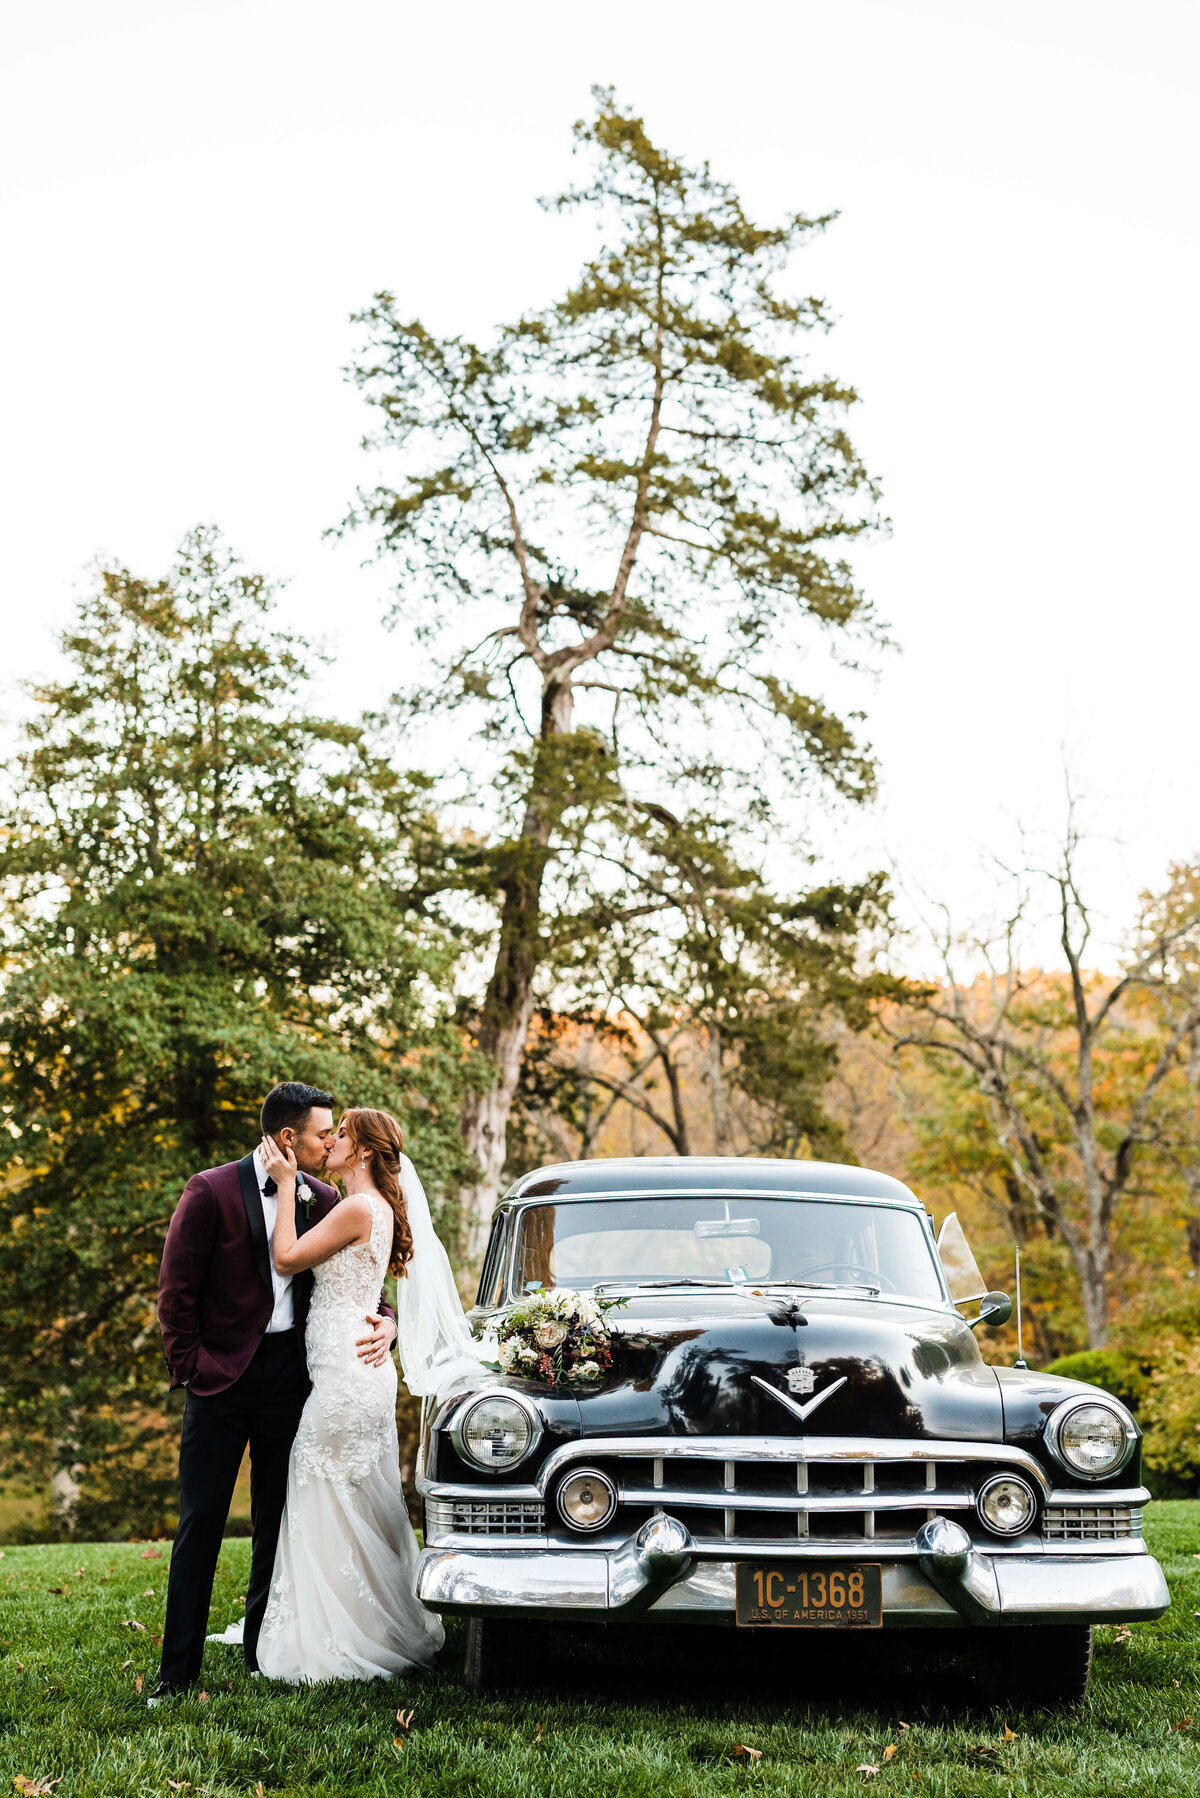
(700, 1364)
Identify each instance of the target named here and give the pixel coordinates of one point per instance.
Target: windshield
(734, 1240)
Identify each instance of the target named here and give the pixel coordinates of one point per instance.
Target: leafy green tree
(619, 528)
(205, 891)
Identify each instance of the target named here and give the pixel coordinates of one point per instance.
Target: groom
(233, 1333)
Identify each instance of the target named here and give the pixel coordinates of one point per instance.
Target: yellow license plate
(804, 1595)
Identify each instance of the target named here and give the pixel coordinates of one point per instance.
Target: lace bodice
(352, 1279)
(345, 1288)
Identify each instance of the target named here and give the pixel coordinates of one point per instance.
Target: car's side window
(491, 1280)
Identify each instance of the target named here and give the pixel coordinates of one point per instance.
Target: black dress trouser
(262, 1409)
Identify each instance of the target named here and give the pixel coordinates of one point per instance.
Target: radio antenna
(1020, 1360)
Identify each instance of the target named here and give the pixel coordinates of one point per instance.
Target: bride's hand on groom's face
(279, 1163)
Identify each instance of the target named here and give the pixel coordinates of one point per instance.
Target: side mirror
(995, 1308)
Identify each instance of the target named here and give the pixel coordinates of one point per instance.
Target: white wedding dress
(343, 1602)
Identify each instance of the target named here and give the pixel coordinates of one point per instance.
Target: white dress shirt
(283, 1316)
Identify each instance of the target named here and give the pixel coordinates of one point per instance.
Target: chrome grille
(495, 1517)
(811, 1500)
(1091, 1523)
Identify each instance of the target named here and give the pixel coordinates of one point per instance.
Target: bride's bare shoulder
(355, 1217)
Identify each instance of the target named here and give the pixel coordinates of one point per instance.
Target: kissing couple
(275, 1321)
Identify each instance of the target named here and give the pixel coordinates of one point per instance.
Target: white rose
(588, 1312)
(507, 1354)
(529, 1356)
(550, 1336)
(587, 1370)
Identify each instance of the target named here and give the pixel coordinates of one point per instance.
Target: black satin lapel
(252, 1200)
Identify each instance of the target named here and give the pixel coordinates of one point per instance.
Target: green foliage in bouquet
(558, 1337)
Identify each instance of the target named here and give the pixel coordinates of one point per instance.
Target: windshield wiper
(825, 1285)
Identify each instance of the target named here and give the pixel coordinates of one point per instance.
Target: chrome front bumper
(657, 1575)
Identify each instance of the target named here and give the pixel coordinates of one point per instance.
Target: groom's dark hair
(286, 1107)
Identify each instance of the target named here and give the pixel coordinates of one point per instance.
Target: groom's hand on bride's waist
(375, 1348)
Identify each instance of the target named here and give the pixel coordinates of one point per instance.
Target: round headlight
(496, 1432)
(1092, 1438)
(1006, 1505)
(587, 1499)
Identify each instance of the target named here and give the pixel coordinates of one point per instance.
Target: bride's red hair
(379, 1137)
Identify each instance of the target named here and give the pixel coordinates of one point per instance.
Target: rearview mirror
(995, 1308)
(726, 1226)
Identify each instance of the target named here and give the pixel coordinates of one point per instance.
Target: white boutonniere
(304, 1195)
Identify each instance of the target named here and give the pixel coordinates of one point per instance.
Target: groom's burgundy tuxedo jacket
(215, 1296)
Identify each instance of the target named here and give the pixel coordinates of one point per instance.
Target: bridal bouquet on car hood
(556, 1336)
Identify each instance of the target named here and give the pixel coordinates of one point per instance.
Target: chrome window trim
(1059, 1416)
(454, 1424)
(782, 1449)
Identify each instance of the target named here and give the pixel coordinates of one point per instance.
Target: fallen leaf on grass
(180, 1785)
(123, 1666)
(56, 1591)
(151, 1554)
(404, 1720)
(260, 1790)
(203, 1698)
(1010, 1735)
(538, 1736)
(902, 1726)
(132, 1623)
(867, 1770)
(149, 1592)
(985, 1751)
(889, 1751)
(1123, 1635)
(138, 1683)
(743, 1752)
(34, 1788)
(1183, 1723)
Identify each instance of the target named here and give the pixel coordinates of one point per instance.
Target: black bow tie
(270, 1188)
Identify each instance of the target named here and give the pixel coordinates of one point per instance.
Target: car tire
(1045, 1667)
(501, 1653)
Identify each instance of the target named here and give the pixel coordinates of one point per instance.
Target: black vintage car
(797, 1430)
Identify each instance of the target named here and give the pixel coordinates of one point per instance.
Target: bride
(343, 1603)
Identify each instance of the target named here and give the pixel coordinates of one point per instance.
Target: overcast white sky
(195, 197)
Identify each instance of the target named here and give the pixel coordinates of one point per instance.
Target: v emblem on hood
(805, 1411)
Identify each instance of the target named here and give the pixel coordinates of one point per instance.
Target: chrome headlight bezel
(600, 1479)
(1007, 1479)
(492, 1396)
(1058, 1418)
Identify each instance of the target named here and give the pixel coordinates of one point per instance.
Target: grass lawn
(640, 1717)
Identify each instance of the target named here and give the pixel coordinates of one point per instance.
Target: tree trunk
(508, 1003)
(1093, 1276)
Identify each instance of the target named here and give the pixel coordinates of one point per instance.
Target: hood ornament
(803, 1412)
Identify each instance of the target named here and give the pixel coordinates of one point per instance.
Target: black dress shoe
(162, 1692)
